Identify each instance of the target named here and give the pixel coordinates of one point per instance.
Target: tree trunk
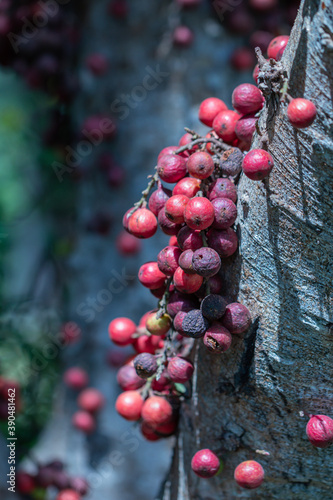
(251, 398)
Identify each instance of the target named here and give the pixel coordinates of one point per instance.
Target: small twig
(192, 132)
(260, 57)
(145, 193)
(203, 140)
(162, 305)
(204, 239)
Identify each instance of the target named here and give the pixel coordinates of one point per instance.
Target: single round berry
(224, 242)
(245, 128)
(129, 405)
(121, 331)
(158, 199)
(257, 164)
(169, 150)
(247, 99)
(178, 322)
(128, 379)
(167, 259)
(199, 213)
(237, 318)
(319, 430)
(158, 326)
(146, 343)
(25, 482)
(127, 244)
(187, 186)
(200, 165)
(206, 262)
(189, 239)
(195, 324)
(225, 213)
(171, 168)
(70, 332)
(142, 223)
(205, 463)
(180, 302)
(68, 495)
(186, 283)
(223, 188)
(145, 365)
(97, 63)
(185, 262)
(230, 165)
(84, 421)
(76, 378)
(249, 474)
(101, 125)
(213, 307)
(301, 112)
(167, 226)
(150, 276)
(217, 339)
(175, 207)
(156, 411)
(209, 108)
(180, 370)
(148, 432)
(243, 59)
(224, 125)
(91, 400)
(276, 45)
(183, 36)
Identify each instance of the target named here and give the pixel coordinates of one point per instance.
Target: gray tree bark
(250, 398)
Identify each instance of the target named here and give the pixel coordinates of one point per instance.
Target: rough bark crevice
(249, 401)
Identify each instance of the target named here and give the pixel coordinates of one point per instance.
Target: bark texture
(250, 398)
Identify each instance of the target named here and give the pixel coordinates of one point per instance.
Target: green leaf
(180, 388)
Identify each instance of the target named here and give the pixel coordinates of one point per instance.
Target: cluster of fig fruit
(51, 475)
(199, 215)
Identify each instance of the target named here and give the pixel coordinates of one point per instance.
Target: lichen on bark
(249, 399)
